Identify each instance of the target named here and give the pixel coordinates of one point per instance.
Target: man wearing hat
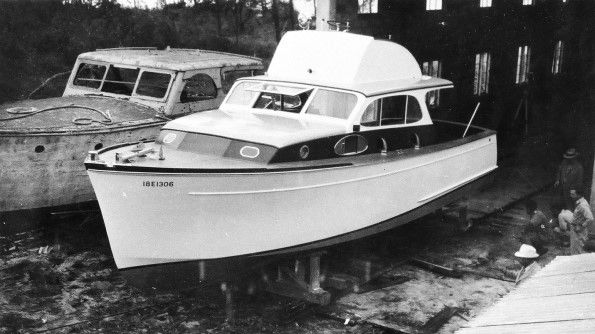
(569, 176)
(582, 222)
(527, 257)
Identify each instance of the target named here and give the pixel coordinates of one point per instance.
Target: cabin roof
(368, 88)
(347, 61)
(171, 59)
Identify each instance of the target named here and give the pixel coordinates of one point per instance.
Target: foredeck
(558, 299)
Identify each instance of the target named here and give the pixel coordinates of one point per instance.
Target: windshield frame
(314, 90)
(134, 95)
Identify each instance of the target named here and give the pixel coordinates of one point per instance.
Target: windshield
(273, 96)
(123, 80)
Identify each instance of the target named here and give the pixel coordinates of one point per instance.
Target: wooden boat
(329, 146)
(112, 96)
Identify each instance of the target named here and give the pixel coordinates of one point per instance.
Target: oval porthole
(249, 152)
(351, 145)
(304, 152)
(169, 138)
(39, 148)
(98, 147)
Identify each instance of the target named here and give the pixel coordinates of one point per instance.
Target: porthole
(98, 147)
(304, 152)
(39, 148)
(249, 152)
(351, 145)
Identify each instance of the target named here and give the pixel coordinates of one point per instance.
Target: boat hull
(156, 218)
(45, 172)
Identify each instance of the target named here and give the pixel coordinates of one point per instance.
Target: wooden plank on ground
(556, 308)
(555, 286)
(575, 327)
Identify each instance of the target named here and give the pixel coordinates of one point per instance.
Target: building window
(528, 2)
(433, 4)
(482, 74)
(367, 6)
(523, 63)
(558, 56)
(485, 3)
(433, 69)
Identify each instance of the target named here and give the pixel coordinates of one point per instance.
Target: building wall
(461, 29)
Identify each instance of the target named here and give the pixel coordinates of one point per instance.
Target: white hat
(527, 251)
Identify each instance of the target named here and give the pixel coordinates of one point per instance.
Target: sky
(304, 7)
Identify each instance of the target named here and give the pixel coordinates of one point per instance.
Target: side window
(153, 84)
(229, 77)
(89, 75)
(120, 80)
(392, 110)
(199, 87)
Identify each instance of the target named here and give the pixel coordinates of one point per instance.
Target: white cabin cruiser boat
(329, 146)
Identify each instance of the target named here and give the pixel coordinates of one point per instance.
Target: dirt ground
(73, 286)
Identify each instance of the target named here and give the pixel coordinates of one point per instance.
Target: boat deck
(559, 298)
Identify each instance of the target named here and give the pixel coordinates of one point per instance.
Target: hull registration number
(158, 184)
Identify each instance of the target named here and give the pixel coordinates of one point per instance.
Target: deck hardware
(141, 153)
(92, 155)
(117, 157)
(304, 151)
(139, 147)
(384, 149)
(471, 120)
(417, 143)
(161, 156)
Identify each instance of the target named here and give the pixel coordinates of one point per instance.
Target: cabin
(173, 81)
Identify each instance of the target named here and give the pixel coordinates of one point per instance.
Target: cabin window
(434, 69)
(485, 3)
(153, 84)
(229, 77)
(351, 145)
(199, 87)
(558, 56)
(392, 110)
(523, 63)
(528, 2)
(89, 75)
(367, 6)
(433, 4)
(282, 102)
(332, 104)
(481, 81)
(120, 80)
(241, 95)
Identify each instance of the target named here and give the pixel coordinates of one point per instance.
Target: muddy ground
(64, 280)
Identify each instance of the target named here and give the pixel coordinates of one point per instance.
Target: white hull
(218, 215)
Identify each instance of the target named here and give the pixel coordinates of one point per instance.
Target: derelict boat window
(392, 110)
(89, 75)
(228, 77)
(153, 84)
(199, 87)
(120, 80)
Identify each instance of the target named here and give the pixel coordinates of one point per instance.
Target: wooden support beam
(229, 312)
(593, 187)
(450, 272)
(325, 11)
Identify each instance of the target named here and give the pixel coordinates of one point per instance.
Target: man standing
(582, 221)
(569, 176)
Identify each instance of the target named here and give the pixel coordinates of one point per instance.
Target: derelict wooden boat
(112, 95)
(327, 147)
